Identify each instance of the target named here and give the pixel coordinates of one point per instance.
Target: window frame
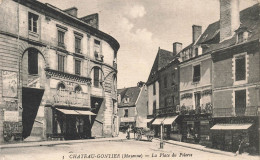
(31, 21)
(77, 44)
(64, 62)
(194, 80)
(126, 112)
(96, 82)
(32, 69)
(80, 67)
(238, 82)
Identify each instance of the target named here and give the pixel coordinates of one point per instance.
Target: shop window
(240, 71)
(32, 61)
(33, 22)
(196, 73)
(77, 45)
(126, 113)
(61, 38)
(96, 77)
(77, 67)
(61, 62)
(154, 89)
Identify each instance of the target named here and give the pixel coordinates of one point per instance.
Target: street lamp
(161, 141)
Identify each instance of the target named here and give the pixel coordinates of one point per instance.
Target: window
(165, 102)
(197, 97)
(97, 48)
(61, 86)
(61, 59)
(240, 71)
(173, 78)
(61, 38)
(240, 102)
(77, 67)
(126, 113)
(196, 52)
(154, 107)
(165, 82)
(77, 45)
(240, 37)
(32, 61)
(77, 89)
(196, 73)
(96, 77)
(154, 89)
(33, 22)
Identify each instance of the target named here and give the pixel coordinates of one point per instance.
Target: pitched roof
(162, 58)
(131, 93)
(249, 19)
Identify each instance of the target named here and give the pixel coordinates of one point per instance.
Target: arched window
(97, 75)
(32, 61)
(61, 86)
(77, 89)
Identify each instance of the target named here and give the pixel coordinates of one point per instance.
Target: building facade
(132, 106)
(58, 73)
(236, 79)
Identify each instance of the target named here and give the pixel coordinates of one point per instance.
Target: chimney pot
(196, 32)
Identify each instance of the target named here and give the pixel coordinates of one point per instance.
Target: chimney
(92, 20)
(72, 11)
(177, 47)
(196, 32)
(229, 18)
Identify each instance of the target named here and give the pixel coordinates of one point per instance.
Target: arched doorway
(33, 87)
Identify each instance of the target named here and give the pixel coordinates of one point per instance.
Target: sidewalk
(211, 150)
(120, 137)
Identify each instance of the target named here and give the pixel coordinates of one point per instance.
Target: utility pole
(161, 141)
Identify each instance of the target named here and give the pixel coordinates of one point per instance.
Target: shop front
(72, 123)
(236, 134)
(196, 129)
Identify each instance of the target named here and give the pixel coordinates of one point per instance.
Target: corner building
(58, 74)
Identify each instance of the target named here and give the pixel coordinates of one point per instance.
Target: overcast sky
(141, 26)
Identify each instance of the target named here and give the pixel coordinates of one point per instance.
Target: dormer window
(242, 34)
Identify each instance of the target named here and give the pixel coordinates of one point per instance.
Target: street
(116, 149)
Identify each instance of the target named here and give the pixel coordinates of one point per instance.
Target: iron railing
(231, 112)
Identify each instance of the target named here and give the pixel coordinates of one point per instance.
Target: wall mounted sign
(9, 84)
(11, 104)
(11, 116)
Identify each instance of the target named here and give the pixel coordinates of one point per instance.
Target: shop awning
(169, 120)
(231, 126)
(66, 111)
(75, 112)
(85, 113)
(158, 121)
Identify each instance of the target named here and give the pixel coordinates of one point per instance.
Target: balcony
(68, 98)
(235, 112)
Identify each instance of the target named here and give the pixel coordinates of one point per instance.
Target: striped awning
(158, 121)
(231, 126)
(75, 112)
(169, 120)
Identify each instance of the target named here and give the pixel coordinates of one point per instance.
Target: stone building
(132, 106)
(58, 73)
(236, 78)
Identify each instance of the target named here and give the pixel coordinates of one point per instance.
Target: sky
(142, 26)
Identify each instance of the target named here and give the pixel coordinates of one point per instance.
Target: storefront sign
(127, 119)
(11, 116)
(9, 84)
(11, 104)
